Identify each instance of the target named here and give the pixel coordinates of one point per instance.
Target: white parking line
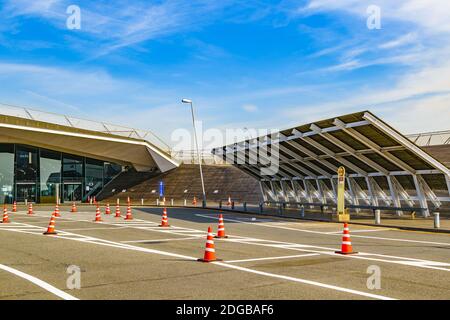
(314, 283)
(274, 258)
(39, 282)
(98, 241)
(159, 240)
(325, 233)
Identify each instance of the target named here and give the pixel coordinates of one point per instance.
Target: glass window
(6, 173)
(111, 170)
(94, 176)
(50, 172)
(26, 164)
(72, 168)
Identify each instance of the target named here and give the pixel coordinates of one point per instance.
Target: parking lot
(263, 258)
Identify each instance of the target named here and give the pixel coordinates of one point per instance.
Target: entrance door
(26, 191)
(72, 192)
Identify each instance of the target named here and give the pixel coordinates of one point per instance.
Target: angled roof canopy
(88, 138)
(361, 142)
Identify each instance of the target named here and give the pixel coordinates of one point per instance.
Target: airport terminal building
(43, 155)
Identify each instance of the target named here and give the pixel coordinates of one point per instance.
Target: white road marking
(108, 243)
(136, 223)
(274, 258)
(81, 229)
(159, 240)
(363, 230)
(314, 283)
(325, 233)
(361, 255)
(39, 282)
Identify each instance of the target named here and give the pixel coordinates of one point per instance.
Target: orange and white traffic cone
(210, 252)
(57, 211)
(194, 202)
(30, 209)
(5, 215)
(229, 201)
(221, 228)
(74, 207)
(346, 247)
(98, 216)
(129, 216)
(117, 211)
(51, 226)
(14, 208)
(164, 221)
(108, 209)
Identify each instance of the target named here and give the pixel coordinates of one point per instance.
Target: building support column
(421, 196)
(394, 195)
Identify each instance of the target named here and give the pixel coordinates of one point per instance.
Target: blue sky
(255, 64)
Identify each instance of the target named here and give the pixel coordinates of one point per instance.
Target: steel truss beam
(349, 149)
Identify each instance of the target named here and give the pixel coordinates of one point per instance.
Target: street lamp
(198, 152)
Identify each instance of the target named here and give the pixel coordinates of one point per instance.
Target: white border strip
(44, 285)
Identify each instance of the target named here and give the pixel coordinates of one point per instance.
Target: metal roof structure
(384, 168)
(427, 139)
(139, 148)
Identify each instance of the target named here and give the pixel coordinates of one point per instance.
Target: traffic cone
(229, 201)
(98, 217)
(117, 211)
(5, 215)
(74, 207)
(30, 209)
(210, 252)
(164, 221)
(221, 228)
(51, 226)
(57, 211)
(346, 247)
(108, 209)
(194, 202)
(14, 208)
(128, 216)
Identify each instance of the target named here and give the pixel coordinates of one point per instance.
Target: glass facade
(6, 173)
(39, 175)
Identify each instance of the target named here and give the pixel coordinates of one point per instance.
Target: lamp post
(198, 152)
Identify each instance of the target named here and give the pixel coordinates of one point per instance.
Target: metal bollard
(142, 202)
(171, 202)
(220, 204)
(185, 202)
(261, 207)
(232, 205)
(302, 211)
(203, 204)
(377, 216)
(437, 223)
(26, 202)
(245, 206)
(157, 202)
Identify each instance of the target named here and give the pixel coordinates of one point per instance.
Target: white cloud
(400, 41)
(250, 108)
(433, 15)
(115, 25)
